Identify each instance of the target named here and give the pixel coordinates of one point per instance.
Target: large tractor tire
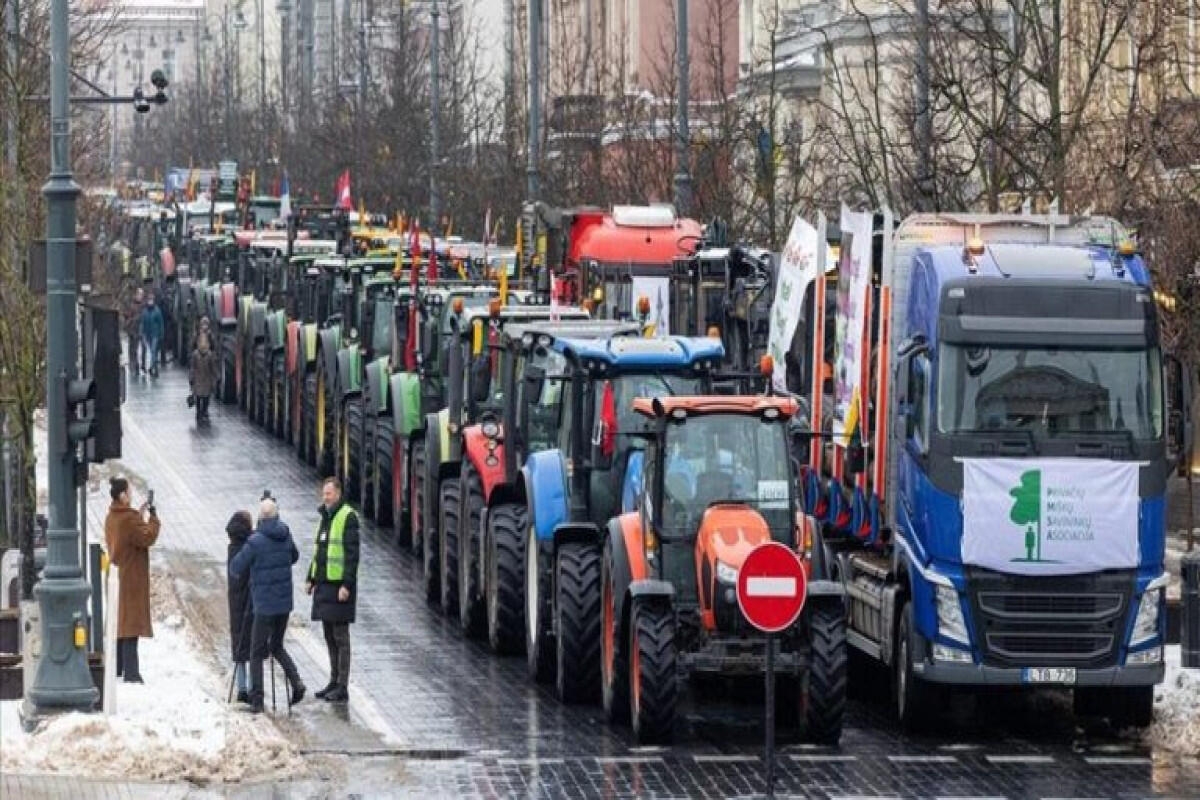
(916, 700)
(325, 421)
(383, 484)
(614, 662)
(472, 609)
(825, 699)
(351, 448)
(505, 562)
(258, 385)
(228, 370)
(425, 536)
(278, 397)
(577, 621)
(366, 457)
(448, 533)
(307, 446)
(244, 360)
(539, 640)
(654, 682)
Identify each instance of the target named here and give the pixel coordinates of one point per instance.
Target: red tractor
(717, 482)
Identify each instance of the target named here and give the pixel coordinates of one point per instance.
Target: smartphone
(150, 499)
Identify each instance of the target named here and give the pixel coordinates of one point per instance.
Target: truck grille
(1053, 621)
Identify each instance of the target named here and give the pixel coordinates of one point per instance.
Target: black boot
(321, 695)
(297, 692)
(337, 695)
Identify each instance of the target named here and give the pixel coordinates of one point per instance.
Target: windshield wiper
(662, 378)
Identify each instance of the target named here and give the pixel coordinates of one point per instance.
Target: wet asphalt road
(463, 723)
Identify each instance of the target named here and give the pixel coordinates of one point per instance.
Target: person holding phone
(129, 534)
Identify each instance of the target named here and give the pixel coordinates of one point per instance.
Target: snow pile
(1176, 724)
(176, 726)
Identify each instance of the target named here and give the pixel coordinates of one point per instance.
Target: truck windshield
(1051, 391)
(725, 458)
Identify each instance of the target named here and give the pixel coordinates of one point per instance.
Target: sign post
(771, 589)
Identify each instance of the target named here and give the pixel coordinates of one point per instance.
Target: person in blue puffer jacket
(268, 556)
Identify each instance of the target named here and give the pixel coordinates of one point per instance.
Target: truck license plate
(1048, 675)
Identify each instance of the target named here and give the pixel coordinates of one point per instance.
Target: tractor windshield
(725, 458)
(627, 388)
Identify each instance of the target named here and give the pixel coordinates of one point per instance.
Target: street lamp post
(434, 143)
(63, 680)
(683, 179)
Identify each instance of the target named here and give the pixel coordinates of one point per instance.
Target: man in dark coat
(332, 582)
(129, 533)
(268, 557)
(240, 526)
(152, 333)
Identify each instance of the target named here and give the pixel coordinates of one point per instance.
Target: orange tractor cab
(610, 258)
(717, 482)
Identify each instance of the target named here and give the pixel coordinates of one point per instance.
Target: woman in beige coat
(129, 533)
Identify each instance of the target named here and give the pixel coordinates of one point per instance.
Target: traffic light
(79, 420)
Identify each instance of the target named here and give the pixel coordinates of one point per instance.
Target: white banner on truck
(1059, 516)
(797, 269)
(658, 292)
(854, 282)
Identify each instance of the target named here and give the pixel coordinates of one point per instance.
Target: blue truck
(997, 513)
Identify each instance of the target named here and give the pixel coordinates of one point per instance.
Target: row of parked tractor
(573, 488)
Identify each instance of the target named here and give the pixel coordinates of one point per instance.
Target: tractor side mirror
(534, 381)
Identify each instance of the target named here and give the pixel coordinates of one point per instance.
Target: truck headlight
(1152, 655)
(949, 614)
(726, 573)
(1145, 624)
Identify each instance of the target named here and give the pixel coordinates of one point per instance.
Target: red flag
(608, 421)
(342, 191)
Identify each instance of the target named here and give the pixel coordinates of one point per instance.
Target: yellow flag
(253, 182)
(503, 284)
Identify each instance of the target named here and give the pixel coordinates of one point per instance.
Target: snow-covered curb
(1176, 724)
(176, 726)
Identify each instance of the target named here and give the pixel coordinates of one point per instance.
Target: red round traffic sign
(771, 587)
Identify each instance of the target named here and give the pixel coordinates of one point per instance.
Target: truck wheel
(654, 687)
(366, 457)
(577, 622)
(381, 475)
(505, 560)
(449, 499)
(539, 642)
(825, 699)
(614, 666)
(914, 698)
(228, 370)
(307, 446)
(471, 608)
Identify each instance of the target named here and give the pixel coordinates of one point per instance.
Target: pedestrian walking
(133, 327)
(268, 558)
(152, 333)
(130, 533)
(332, 582)
(202, 377)
(239, 528)
(202, 330)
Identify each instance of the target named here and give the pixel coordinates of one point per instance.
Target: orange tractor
(717, 481)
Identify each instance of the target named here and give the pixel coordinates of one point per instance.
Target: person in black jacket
(268, 557)
(239, 529)
(332, 582)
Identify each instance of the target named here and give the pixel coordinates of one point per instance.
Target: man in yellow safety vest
(332, 583)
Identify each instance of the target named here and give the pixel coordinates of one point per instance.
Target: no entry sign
(771, 587)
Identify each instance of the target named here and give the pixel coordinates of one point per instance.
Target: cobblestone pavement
(434, 715)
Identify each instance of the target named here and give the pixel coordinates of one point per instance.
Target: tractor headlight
(1145, 624)
(490, 429)
(726, 573)
(949, 614)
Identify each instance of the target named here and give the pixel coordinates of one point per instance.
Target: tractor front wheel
(505, 558)
(654, 683)
(307, 444)
(448, 531)
(614, 665)
(228, 370)
(539, 641)
(470, 600)
(577, 620)
(366, 456)
(825, 699)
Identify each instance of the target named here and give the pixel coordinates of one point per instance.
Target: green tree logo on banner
(1027, 512)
